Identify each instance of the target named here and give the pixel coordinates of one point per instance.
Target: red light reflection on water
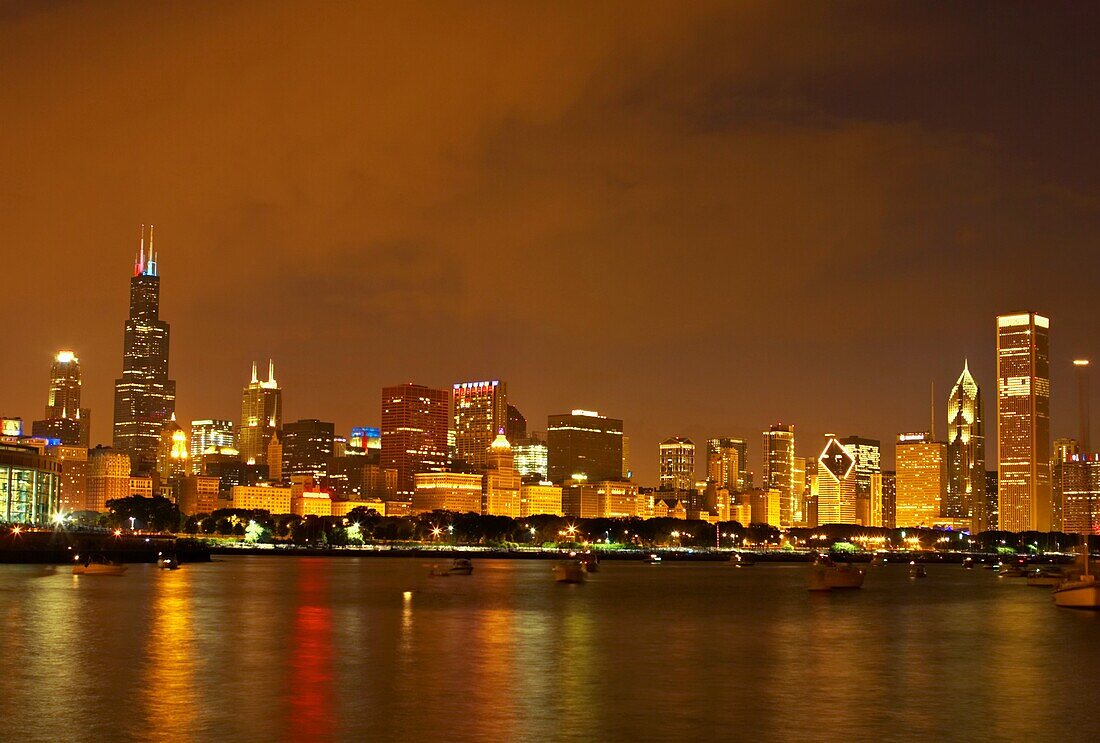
(311, 713)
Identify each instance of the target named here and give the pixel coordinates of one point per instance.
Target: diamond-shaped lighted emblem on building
(837, 459)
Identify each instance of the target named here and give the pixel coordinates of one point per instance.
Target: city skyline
(562, 221)
(142, 294)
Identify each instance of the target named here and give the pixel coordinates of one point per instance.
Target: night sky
(703, 220)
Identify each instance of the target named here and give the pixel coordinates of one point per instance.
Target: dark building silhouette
(307, 448)
(584, 442)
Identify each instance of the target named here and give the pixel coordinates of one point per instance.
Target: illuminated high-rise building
(144, 396)
(868, 454)
(836, 484)
(677, 464)
(207, 433)
(921, 480)
(108, 477)
(779, 467)
(365, 437)
(480, 411)
(261, 415)
(65, 420)
(74, 476)
(531, 455)
(1023, 422)
(500, 492)
(414, 432)
(966, 453)
(726, 463)
(173, 454)
(1075, 481)
(889, 498)
(583, 442)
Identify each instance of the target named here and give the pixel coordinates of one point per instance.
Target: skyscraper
(65, 419)
(144, 396)
(516, 427)
(261, 415)
(307, 448)
(836, 484)
(677, 464)
(726, 463)
(966, 453)
(172, 451)
(779, 467)
(921, 481)
(583, 442)
(414, 432)
(500, 491)
(1023, 422)
(207, 433)
(480, 412)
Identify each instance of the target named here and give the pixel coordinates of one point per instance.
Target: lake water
(287, 649)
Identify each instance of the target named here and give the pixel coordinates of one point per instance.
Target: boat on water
(742, 560)
(97, 565)
(916, 570)
(167, 562)
(653, 559)
(1079, 591)
(826, 575)
(968, 563)
(570, 571)
(878, 559)
(591, 562)
(1045, 577)
(1012, 571)
(461, 566)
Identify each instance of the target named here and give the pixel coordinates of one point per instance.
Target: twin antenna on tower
(146, 263)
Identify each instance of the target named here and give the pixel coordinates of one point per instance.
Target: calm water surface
(287, 649)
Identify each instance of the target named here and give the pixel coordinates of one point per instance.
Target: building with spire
(65, 419)
(965, 496)
(173, 454)
(261, 415)
(144, 395)
(501, 486)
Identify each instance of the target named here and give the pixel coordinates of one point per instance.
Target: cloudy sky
(703, 218)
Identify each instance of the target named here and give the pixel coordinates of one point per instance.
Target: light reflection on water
(322, 649)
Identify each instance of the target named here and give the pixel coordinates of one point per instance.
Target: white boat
(570, 571)
(1079, 592)
(917, 570)
(653, 559)
(826, 575)
(98, 566)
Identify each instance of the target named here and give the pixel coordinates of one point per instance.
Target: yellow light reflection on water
(169, 696)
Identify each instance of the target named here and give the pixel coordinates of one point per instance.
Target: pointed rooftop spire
(255, 379)
(151, 267)
(270, 370)
(139, 264)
